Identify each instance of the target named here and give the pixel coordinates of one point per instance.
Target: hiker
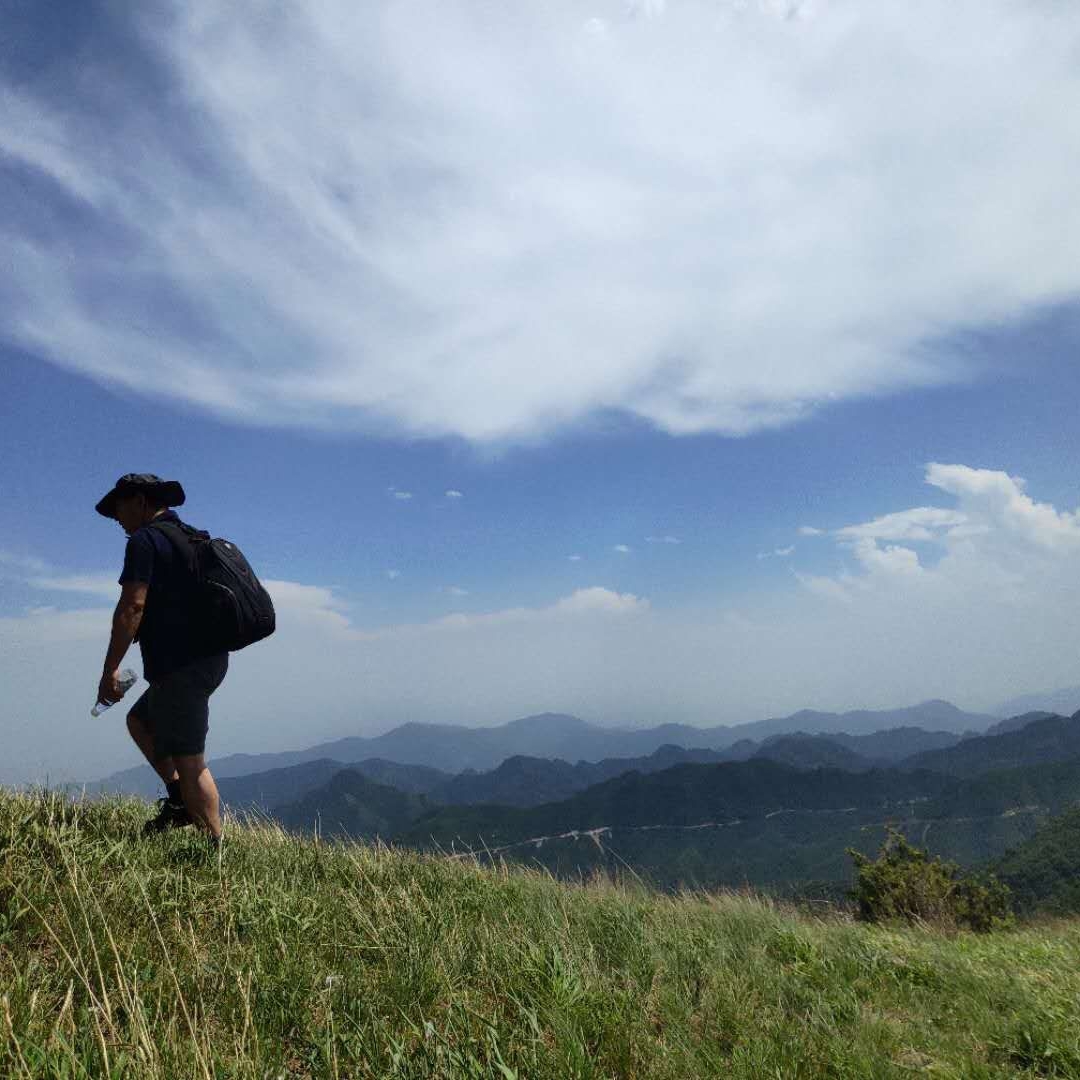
(169, 722)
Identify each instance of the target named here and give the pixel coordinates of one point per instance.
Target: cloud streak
(492, 222)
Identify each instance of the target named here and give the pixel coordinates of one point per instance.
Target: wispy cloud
(574, 558)
(622, 549)
(401, 496)
(922, 523)
(88, 584)
(377, 217)
(23, 564)
(809, 530)
(454, 494)
(778, 553)
(662, 540)
(36, 573)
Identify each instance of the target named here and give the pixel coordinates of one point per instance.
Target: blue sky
(324, 283)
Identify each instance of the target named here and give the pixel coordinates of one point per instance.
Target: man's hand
(109, 689)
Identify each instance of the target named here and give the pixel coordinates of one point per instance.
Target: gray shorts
(176, 708)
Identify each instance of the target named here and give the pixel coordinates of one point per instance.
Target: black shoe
(170, 816)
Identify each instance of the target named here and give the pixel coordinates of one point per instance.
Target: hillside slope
(285, 958)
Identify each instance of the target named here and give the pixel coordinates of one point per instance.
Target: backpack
(231, 608)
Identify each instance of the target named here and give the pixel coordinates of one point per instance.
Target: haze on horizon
(689, 361)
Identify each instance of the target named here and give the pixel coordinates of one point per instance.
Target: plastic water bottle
(127, 679)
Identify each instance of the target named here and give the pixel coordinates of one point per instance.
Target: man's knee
(136, 728)
(189, 766)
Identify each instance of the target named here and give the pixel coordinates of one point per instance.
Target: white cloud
(989, 498)
(455, 590)
(309, 605)
(596, 599)
(778, 553)
(90, 584)
(403, 496)
(922, 523)
(997, 537)
(36, 573)
(809, 530)
(662, 540)
(718, 217)
(574, 558)
(393, 575)
(622, 549)
(582, 602)
(453, 494)
(30, 564)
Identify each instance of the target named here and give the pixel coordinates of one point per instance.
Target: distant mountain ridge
(1044, 739)
(1063, 701)
(455, 748)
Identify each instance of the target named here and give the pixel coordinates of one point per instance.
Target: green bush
(906, 883)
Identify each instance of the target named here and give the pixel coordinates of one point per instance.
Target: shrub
(904, 882)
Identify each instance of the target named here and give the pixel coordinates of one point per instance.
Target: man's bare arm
(126, 619)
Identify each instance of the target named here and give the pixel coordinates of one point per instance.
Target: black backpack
(231, 608)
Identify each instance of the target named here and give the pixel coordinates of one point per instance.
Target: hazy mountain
(1051, 738)
(932, 715)
(1064, 702)
(277, 787)
(804, 751)
(352, 805)
(518, 781)
(895, 744)
(454, 748)
(1016, 723)
(528, 781)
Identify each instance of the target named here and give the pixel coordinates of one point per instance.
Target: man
(170, 721)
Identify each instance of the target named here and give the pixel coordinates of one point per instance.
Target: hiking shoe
(170, 816)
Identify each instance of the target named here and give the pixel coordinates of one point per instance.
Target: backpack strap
(182, 538)
(178, 530)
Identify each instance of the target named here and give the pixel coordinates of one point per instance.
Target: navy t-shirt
(166, 635)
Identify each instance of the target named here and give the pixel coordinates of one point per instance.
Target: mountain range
(779, 810)
(454, 749)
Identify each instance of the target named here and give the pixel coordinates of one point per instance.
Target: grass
(285, 957)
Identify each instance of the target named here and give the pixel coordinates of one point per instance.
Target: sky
(688, 361)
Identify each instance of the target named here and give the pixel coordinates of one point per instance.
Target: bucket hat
(166, 492)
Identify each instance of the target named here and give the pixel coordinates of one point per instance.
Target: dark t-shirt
(166, 634)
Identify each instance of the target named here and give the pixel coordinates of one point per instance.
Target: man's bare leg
(165, 767)
(200, 792)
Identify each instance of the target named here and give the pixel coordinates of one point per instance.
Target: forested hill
(1044, 872)
(684, 795)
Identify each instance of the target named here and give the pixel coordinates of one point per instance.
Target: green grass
(125, 958)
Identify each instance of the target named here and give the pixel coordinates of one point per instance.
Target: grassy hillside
(285, 958)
